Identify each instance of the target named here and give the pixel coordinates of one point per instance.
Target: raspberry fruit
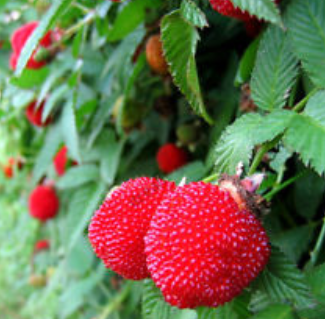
(34, 115)
(61, 161)
(43, 203)
(155, 55)
(8, 170)
(117, 229)
(43, 244)
(18, 40)
(170, 157)
(202, 249)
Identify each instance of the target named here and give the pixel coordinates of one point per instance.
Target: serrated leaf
(193, 14)
(69, 130)
(78, 175)
(305, 20)
(47, 22)
(263, 9)
(306, 133)
(44, 159)
(275, 311)
(130, 17)
(180, 39)
(274, 72)
(282, 280)
(236, 144)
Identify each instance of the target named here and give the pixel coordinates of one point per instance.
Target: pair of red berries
(196, 243)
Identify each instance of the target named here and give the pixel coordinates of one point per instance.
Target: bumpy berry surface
(34, 115)
(201, 249)
(226, 8)
(18, 40)
(155, 56)
(43, 203)
(43, 244)
(117, 229)
(170, 157)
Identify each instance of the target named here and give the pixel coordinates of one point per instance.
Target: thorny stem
(314, 254)
(280, 187)
(116, 302)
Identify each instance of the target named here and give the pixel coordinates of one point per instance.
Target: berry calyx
(43, 203)
(170, 157)
(202, 249)
(34, 114)
(155, 55)
(117, 229)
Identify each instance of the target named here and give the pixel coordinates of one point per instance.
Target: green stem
(211, 178)
(314, 254)
(116, 302)
(298, 107)
(280, 187)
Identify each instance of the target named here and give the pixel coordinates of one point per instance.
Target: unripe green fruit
(187, 134)
(37, 280)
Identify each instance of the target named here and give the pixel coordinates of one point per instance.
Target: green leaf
(30, 78)
(236, 144)
(130, 17)
(193, 14)
(69, 130)
(275, 71)
(46, 23)
(78, 175)
(44, 159)
(282, 280)
(180, 39)
(278, 311)
(306, 133)
(193, 171)
(263, 9)
(305, 20)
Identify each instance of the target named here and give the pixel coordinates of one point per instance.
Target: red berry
(155, 55)
(43, 203)
(61, 161)
(170, 157)
(43, 244)
(18, 40)
(202, 250)
(117, 229)
(226, 8)
(8, 170)
(34, 115)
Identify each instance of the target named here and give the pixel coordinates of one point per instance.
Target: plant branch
(299, 106)
(319, 243)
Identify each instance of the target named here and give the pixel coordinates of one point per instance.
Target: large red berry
(117, 229)
(34, 114)
(18, 40)
(202, 250)
(43, 203)
(170, 157)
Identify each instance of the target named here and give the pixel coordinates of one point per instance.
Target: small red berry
(202, 249)
(61, 161)
(18, 40)
(170, 157)
(34, 115)
(117, 229)
(43, 203)
(8, 170)
(43, 244)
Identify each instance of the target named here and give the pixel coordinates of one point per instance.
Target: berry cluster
(195, 242)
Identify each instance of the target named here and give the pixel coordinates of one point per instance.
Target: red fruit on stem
(61, 160)
(202, 249)
(43, 203)
(34, 115)
(43, 244)
(155, 55)
(117, 229)
(18, 40)
(170, 157)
